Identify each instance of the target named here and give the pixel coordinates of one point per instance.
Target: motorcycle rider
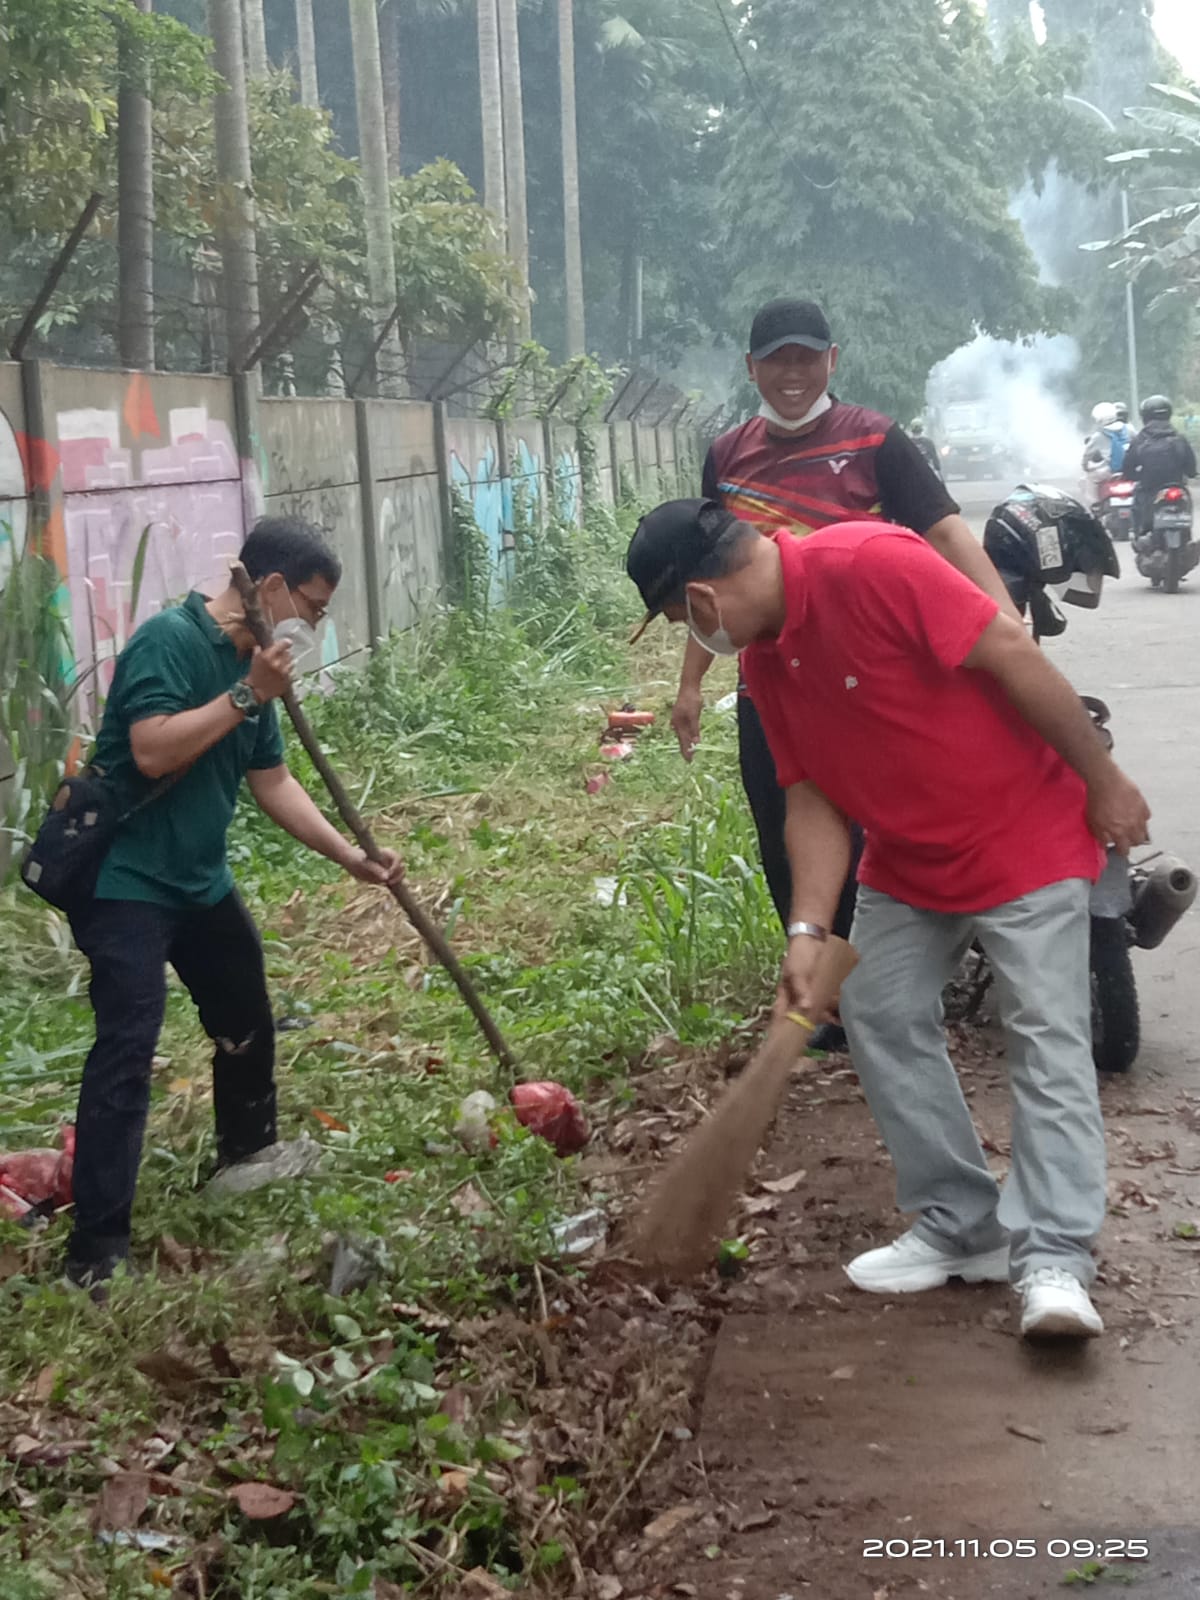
(1158, 457)
(1122, 436)
(925, 445)
(1098, 450)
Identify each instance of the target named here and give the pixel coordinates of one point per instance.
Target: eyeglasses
(318, 608)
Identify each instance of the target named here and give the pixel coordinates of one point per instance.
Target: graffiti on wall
(142, 523)
(409, 531)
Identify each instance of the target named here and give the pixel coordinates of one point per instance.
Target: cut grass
(468, 743)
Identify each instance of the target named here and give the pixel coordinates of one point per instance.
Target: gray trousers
(1053, 1203)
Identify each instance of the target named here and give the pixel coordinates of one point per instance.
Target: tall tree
(389, 50)
(372, 145)
(306, 54)
(239, 247)
(257, 61)
(572, 242)
(913, 254)
(491, 111)
(514, 152)
(135, 204)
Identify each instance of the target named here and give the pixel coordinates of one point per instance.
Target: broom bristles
(691, 1204)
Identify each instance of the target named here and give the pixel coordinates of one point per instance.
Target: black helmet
(1156, 409)
(1040, 538)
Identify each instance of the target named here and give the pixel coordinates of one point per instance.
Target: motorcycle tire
(1116, 1031)
(1173, 573)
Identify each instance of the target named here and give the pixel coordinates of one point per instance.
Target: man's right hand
(270, 671)
(796, 977)
(685, 720)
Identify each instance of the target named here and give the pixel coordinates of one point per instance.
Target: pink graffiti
(143, 526)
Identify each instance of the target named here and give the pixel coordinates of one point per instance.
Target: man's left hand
(1117, 812)
(388, 869)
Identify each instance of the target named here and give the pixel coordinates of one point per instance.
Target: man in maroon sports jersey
(806, 461)
(892, 690)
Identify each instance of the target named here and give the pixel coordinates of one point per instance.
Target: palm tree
(135, 208)
(514, 154)
(306, 53)
(572, 243)
(491, 109)
(389, 50)
(372, 151)
(239, 247)
(1169, 238)
(257, 61)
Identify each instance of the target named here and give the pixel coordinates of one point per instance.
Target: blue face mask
(718, 643)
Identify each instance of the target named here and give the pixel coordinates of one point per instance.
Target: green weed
(467, 741)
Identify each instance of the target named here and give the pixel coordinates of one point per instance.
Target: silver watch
(245, 699)
(807, 930)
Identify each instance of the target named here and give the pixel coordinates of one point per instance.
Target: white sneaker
(1055, 1305)
(910, 1264)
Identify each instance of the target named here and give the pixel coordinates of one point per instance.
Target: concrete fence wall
(143, 485)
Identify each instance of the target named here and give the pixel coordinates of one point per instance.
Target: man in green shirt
(192, 699)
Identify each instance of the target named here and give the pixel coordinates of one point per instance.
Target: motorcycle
(1166, 552)
(1114, 507)
(1132, 906)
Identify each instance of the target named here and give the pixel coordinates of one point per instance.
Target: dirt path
(831, 1418)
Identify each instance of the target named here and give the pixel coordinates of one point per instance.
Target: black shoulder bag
(63, 862)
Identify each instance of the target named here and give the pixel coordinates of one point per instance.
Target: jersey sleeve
(911, 492)
(907, 593)
(156, 674)
(268, 745)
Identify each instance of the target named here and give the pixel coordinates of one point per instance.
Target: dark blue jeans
(768, 805)
(218, 955)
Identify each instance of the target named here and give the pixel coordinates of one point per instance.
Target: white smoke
(1021, 390)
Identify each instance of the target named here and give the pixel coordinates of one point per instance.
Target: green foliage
(35, 694)
(883, 190)
(1163, 247)
(467, 742)
(61, 80)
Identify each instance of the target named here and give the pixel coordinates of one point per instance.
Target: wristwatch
(245, 699)
(807, 930)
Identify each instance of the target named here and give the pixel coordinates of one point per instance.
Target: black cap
(783, 322)
(669, 546)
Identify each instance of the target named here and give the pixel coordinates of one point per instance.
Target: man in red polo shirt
(808, 460)
(892, 690)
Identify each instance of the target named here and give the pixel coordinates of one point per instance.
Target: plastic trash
(473, 1129)
(616, 750)
(553, 1113)
(575, 1236)
(36, 1177)
(607, 892)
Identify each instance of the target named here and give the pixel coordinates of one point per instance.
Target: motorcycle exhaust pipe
(1160, 900)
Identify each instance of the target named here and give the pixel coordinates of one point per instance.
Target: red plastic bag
(36, 1176)
(553, 1113)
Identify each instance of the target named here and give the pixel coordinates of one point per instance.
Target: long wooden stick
(425, 926)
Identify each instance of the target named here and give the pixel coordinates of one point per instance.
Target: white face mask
(301, 636)
(818, 409)
(718, 643)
